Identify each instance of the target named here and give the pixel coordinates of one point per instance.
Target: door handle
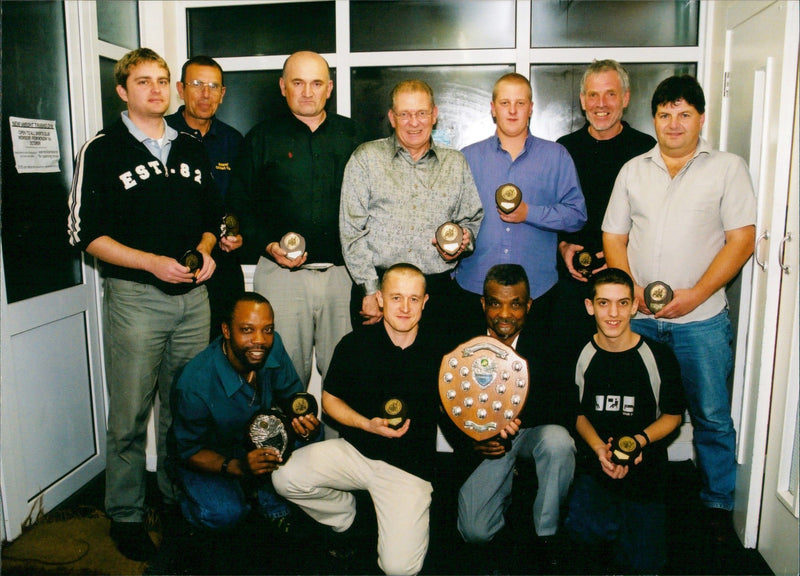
(785, 239)
(763, 236)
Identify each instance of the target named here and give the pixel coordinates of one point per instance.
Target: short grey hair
(598, 66)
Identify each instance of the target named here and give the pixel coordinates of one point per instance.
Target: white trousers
(319, 479)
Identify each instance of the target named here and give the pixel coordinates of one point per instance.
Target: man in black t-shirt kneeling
(373, 371)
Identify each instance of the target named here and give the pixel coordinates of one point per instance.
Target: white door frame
(72, 312)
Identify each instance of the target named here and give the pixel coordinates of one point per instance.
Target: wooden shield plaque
(508, 197)
(448, 237)
(483, 385)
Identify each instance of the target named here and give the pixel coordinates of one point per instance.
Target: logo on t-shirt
(628, 405)
(612, 403)
(599, 403)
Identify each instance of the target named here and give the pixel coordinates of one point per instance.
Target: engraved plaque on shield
(448, 237)
(229, 226)
(483, 385)
(293, 244)
(657, 295)
(272, 429)
(508, 197)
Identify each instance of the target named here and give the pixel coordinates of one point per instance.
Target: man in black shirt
(599, 149)
(629, 386)
(540, 434)
(202, 88)
(288, 179)
(392, 461)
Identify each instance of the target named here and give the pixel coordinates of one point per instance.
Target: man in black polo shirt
(599, 149)
(288, 179)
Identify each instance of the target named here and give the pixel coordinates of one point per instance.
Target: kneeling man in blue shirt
(244, 371)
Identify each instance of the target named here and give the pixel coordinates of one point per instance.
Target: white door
(52, 423)
(761, 61)
(780, 504)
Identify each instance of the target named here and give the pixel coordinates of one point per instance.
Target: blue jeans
(485, 496)
(219, 502)
(705, 354)
(635, 530)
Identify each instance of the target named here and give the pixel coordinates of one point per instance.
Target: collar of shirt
(703, 147)
(529, 140)
(231, 381)
(513, 344)
(399, 149)
(184, 127)
(302, 126)
(155, 148)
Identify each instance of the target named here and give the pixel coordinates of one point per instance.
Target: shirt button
(505, 251)
(508, 229)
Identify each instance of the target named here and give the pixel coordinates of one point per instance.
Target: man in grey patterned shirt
(396, 192)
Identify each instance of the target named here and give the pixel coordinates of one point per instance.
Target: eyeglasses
(199, 85)
(420, 115)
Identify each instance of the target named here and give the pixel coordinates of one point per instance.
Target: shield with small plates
(483, 385)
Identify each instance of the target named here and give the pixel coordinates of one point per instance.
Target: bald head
(306, 84)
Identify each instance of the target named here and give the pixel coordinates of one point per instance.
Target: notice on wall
(35, 145)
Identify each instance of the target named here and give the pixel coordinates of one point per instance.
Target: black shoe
(133, 541)
(281, 526)
(720, 525)
(340, 545)
(553, 553)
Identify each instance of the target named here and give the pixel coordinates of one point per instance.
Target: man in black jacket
(540, 433)
(143, 198)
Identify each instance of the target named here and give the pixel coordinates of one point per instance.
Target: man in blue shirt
(202, 88)
(245, 371)
(551, 201)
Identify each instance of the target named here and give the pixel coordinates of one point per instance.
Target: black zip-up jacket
(122, 191)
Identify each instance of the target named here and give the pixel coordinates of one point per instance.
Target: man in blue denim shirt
(245, 371)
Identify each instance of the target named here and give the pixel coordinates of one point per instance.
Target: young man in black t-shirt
(395, 362)
(629, 386)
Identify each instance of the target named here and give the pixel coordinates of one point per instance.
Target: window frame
(522, 56)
